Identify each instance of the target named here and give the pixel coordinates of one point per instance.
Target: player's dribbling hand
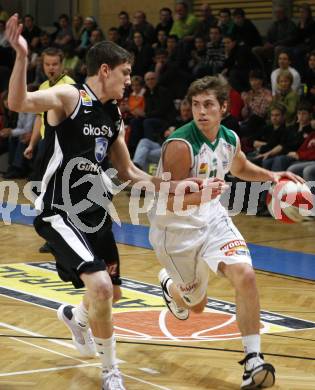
(277, 176)
(13, 33)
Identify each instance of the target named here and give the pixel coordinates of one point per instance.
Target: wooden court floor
(36, 353)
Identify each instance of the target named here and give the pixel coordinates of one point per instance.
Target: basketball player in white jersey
(83, 122)
(187, 246)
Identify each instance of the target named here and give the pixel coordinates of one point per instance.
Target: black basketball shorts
(77, 252)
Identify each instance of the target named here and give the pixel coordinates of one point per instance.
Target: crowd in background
(271, 78)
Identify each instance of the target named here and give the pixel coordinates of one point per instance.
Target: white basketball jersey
(209, 160)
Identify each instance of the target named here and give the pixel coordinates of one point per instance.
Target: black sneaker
(180, 313)
(257, 373)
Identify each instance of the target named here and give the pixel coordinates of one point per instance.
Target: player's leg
(226, 252)
(184, 278)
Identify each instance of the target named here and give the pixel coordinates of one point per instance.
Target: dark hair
(182, 3)
(217, 84)
(311, 54)
(64, 16)
(225, 11)
(123, 13)
(167, 10)
(256, 74)
(284, 51)
(278, 106)
(239, 12)
(305, 105)
(217, 28)
(113, 29)
(106, 52)
(29, 16)
(53, 52)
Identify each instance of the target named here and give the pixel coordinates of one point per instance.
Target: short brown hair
(53, 52)
(217, 84)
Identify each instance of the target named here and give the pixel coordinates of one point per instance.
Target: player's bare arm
(177, 161)
(60, 99)
(246, 170)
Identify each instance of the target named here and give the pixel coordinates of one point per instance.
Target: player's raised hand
(13, 33)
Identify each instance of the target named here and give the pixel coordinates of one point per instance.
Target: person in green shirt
(185, 23)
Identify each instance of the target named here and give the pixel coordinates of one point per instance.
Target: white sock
(81, 314)
(106, 349)
(251, 343)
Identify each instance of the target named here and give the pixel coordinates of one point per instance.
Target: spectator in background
(309, 79)
(304, 40)
(133, 106)
(77, 29)
(31, 32)
(143, 54)
(141, 25)
(207, 20)
(286, 95)
(170, 75)
(238, 63)
(175, 51)
(3, 40)
(159, 110)
(113, 35)
(64, 34)
(71, 62)
(124, 28)
(89, 25)
(3, 14)
(284, 63)
(18, 138)
(166, 21)
(198, 62)
(256, 103)
(280, 33)
(215, 52)
(245, 30)
(161, 40)
(9, 121)
(44, 42)
(225, 22)
(268, 141)
(96, 36)
(294, 145)
(185, 24)
(149, 151)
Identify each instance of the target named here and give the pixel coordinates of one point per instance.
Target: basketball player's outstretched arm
(246, 170)
(121, 161)
(58, 98)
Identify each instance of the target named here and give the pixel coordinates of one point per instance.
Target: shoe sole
(263, 378)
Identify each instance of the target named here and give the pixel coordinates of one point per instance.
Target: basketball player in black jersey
(83, 126)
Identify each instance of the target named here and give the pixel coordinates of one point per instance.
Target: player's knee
(247, 279)
(101, 291)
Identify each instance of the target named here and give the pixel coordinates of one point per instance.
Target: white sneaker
(181, 313)
(257, 373)
(112, 380)
(81, 335)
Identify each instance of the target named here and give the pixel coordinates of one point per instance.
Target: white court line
(163, 327)
(48, 350)
(85, 364)
(48, 369)
(28, 332)
(146, 382)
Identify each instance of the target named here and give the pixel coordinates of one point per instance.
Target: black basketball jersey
(76, 151)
